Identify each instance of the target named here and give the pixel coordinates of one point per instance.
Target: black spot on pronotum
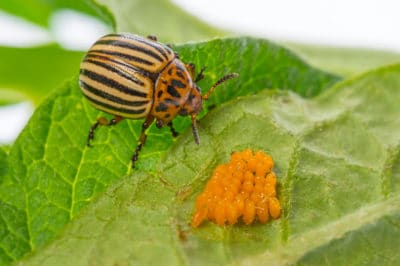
(178, 84)
(159, 93)
(180, 74)
(162, 107)
(173, 92)
(170, 101)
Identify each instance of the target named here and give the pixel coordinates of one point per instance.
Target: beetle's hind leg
(101, 121)
(142, 139)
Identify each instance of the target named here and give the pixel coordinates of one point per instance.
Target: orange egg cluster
(244, 187)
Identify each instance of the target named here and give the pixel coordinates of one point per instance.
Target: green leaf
(160, 18)
(3, 162)
(52, 174)
(344, 61)
(39, 12)
(337, 160)
(32, 72)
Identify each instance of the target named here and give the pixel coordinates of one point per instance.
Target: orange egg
(274, 208)
(262, 211)
(242, 189)
(231, 213)
(252, 164)
(249, 211)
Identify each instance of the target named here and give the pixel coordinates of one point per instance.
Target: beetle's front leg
(102, 122)
(142, 139)
(200, 75)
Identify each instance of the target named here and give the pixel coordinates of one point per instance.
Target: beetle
(133, 77)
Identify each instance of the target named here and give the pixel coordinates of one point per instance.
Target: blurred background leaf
(343, 61)
(33, 72)
(160, 18)
(40, 11)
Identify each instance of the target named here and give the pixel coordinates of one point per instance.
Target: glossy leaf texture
(51, 173)
(337, 161)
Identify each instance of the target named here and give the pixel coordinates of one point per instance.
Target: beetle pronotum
(133, 77)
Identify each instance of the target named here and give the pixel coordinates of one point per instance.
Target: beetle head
(194, 103)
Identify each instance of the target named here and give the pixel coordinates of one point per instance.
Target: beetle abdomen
(143, 54)
(118, 74)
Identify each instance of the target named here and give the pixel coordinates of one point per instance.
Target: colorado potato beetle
(133, 77)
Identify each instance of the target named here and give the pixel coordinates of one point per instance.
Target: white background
(351, 23)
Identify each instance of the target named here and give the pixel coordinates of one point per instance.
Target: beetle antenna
(219, 82)
(194, 128)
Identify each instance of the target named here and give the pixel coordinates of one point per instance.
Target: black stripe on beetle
(112, 83)
(111, 97)
(131, 68)
(156, 46)
(125, 56)
(131, 46)
(116, 70)
(112, 107)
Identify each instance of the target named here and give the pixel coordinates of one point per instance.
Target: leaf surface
(337, 161)
(52, 175)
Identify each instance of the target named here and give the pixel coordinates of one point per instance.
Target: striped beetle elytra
(133, 77)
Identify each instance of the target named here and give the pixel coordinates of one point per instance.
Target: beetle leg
(102, 122)
(173, 131)
(152, 37)
(159, 123)
(194, 128)
(200, 76)
(142, 139)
